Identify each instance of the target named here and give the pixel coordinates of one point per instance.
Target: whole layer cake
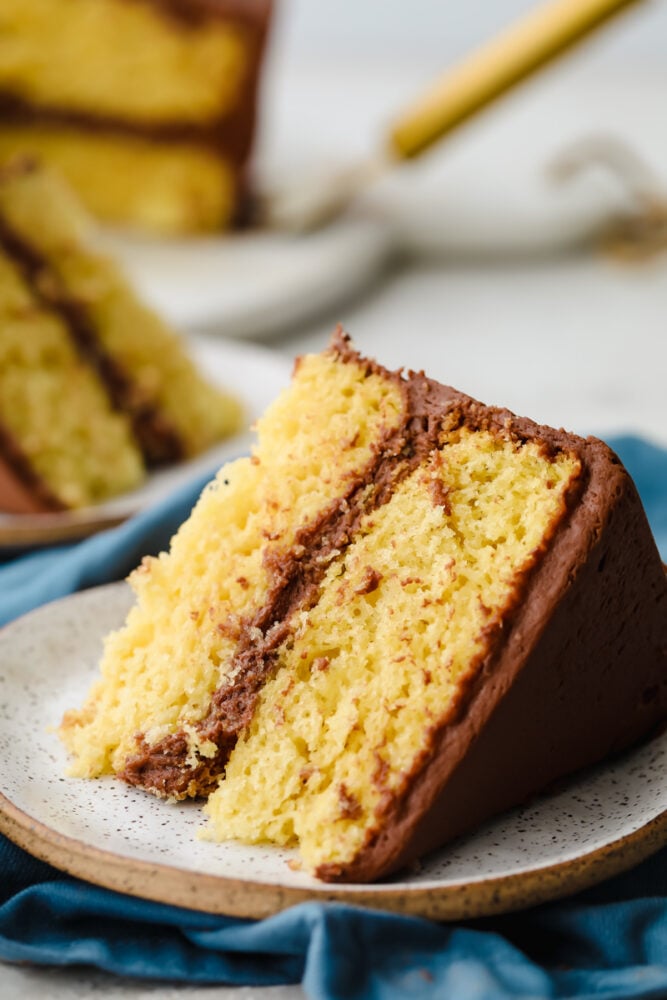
(403, 614)
(148, 107)
(94, 387)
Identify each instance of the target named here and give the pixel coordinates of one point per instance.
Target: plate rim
(254, 899)
(248, 897)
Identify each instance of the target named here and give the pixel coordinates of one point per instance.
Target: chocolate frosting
(226, 136)
(22, 490)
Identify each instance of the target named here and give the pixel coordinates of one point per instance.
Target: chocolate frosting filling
(228, 136)
(22, 490)
(430, 410)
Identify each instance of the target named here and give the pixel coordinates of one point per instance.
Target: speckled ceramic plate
(254, 374)
(601, 823)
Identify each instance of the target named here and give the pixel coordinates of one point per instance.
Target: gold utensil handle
(477, 81)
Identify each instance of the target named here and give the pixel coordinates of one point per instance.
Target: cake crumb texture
(160, 671)
(369, 675)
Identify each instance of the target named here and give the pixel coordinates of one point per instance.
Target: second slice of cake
(94, 386)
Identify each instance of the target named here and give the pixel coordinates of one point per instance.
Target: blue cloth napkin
(609, 943)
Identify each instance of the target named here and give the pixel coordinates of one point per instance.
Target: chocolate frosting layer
(226, 136)
(22, 490)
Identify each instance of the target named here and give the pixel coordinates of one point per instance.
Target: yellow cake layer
(42, 211)
(374, 666)
(160, 670)
(166, 188)
(54, 406)
(121, 58)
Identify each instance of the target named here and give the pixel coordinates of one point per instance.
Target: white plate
(255, 283)
(254, 374)
(602, 822)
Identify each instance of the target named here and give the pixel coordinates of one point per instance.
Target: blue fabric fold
(609, 943)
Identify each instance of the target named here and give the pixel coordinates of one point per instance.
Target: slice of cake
(146, 106)
(403, 614)
(93, 385)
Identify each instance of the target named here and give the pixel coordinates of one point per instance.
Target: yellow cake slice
(146, 106)
(404, 613)
(90, 377)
